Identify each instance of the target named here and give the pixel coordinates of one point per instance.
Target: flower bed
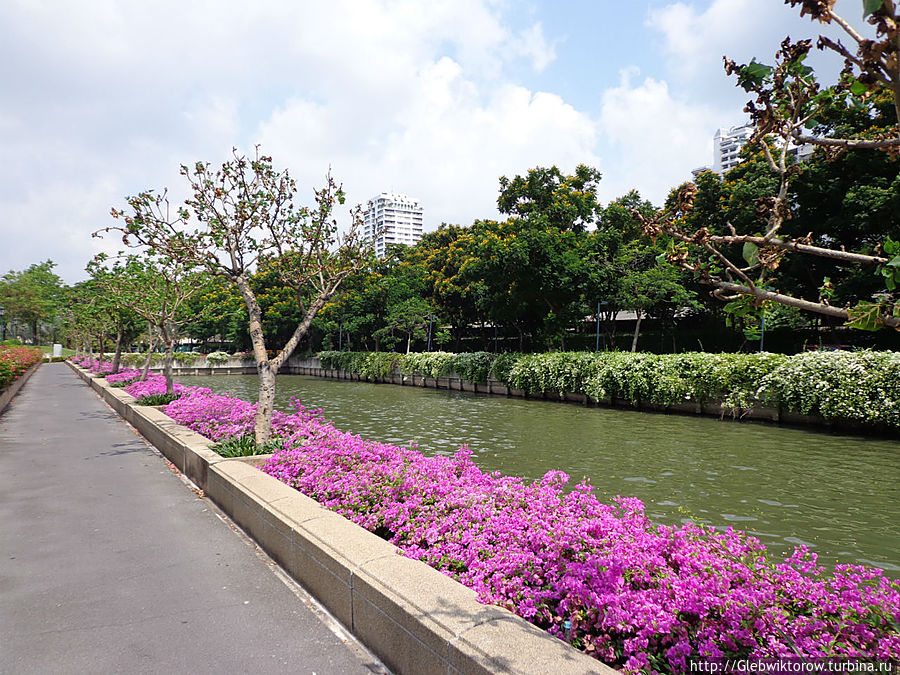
(638, 596)
(16, 360)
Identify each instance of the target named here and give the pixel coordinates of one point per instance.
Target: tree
(158, 290)
(409, 317)
(567, 202)
(240, 217)
(626, 270)
(789, 108)
(32, 296)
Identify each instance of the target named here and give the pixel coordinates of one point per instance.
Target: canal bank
(838, 494)
(703, 406)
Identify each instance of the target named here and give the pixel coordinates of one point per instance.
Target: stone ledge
(416, 619)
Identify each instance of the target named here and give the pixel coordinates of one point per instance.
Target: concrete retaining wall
(414, 618)
(6, 395)
(454, 382)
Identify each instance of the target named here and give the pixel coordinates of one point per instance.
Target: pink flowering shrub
(220, 416)
(94, 365)
(128, 375)
(638, 596)
(152, 386)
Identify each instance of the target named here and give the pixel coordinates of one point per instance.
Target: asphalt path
(110, 563)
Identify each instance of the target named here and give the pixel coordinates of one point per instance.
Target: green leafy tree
(567, 202)
(156, 289)
(32, 296)
(409, 317)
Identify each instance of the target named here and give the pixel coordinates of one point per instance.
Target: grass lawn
(48, 349)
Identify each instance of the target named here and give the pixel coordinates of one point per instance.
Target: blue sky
(434, 98)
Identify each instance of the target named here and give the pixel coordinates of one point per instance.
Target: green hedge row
(861, 386)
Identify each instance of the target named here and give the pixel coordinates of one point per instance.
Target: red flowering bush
(16, 360)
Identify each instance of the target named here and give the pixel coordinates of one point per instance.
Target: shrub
(246, 446)
(218, 357)
(123, 378)
(502, 367)
(154, 385)
(474, 367)
(14, 361)
(859, 386)
(186, 357)
(157, 399)
(428, 364)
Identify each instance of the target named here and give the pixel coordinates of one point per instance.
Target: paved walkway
(110, 564)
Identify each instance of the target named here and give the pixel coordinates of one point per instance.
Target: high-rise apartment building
(392, 218)
(727, 144)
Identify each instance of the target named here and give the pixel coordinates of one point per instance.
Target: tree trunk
(637, 331)
(117, 357)
(408, 341)
(167, 365)
(148, 362)
(265, 406)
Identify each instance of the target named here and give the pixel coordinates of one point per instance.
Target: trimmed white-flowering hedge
(861, 386)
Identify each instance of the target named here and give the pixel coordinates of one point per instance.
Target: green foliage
(502, 366)
(246, 446)
(474, 367)
(186, 358)
(565, 202)
(429, 364)
(218, 357)
(366, 364)
(861, 386)
(157, 399)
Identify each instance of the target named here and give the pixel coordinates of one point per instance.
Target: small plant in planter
(158, 399)
(245, 446)
(217, 357)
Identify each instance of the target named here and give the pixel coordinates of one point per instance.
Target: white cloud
(447, 145)
(108, 99)
(653, 139)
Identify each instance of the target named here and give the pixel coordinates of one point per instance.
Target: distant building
(392, 218)
(727, 144)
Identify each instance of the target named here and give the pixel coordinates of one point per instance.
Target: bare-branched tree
(241, 218)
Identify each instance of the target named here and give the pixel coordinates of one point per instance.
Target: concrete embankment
(415, 619)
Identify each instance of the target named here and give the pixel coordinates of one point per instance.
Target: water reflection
(837, 494)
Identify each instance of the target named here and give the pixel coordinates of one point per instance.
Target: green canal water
(838, 494)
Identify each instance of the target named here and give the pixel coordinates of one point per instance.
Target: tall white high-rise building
(727, 144)
(392, 218)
